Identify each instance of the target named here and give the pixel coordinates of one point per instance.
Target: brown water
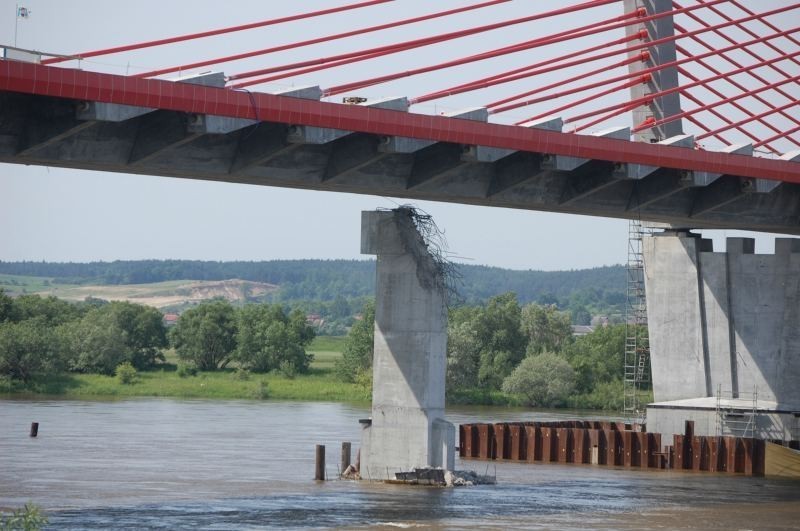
(173, 464)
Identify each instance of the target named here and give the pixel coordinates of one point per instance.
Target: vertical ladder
(637, 348)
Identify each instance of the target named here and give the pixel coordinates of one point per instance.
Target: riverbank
(319, 384)
(166, 381)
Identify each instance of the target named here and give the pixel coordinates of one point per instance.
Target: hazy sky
(66, 215)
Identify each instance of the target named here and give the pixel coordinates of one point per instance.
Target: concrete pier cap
(408, 429)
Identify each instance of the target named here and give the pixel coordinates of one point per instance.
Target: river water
(180, 464)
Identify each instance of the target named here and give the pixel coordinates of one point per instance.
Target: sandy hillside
(167, 294)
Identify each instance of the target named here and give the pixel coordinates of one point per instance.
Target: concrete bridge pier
(724, 336)
(407, 428)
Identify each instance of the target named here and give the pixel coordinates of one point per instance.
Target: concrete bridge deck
(67, 118)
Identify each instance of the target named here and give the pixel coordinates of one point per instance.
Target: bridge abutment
(724, 336)
(407, 429)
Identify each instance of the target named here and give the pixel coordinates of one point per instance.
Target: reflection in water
(170, 464)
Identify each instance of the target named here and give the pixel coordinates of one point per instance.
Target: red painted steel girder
(56, 82)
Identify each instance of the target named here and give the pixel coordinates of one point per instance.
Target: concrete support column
(661, 107)
(675, 311)
(730, 319)
(787, 252)
(408, 429)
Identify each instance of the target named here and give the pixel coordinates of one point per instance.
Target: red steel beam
(56, 82)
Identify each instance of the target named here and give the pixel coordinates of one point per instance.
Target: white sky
(67, 215)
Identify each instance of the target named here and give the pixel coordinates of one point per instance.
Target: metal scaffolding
(637, 347)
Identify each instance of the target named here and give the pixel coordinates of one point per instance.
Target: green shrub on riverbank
(28, 518)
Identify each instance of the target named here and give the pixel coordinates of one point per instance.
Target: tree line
(46, 335)
(503, 349)
(498, 352)
(583, 293)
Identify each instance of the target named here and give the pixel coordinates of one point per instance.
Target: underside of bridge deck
(44, 130)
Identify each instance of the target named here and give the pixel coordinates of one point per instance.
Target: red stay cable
(776, 137)
(688, 95)
(560, 83)
(660, 41)
(309, 42)
(590, 29)
(707, 106)
(733, 82)
(751, 32)
(625, 108)
(747, 120)
(638, 81)
(655, 95)
(424, 41)
(767, 23)
(656, 68)
(529, 71)
(746, 50)
(705, 128)
(301, 71)
(521, 73)
(211, 33)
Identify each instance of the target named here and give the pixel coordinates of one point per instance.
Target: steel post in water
(319, 474)
(34, 429)
(345, 455)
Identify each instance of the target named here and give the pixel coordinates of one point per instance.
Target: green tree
(206, 335)
(27, 348)
(6, 306)
(463, 356)
(502, 344)
(545, 328)
(598, 357)
(544, 380)
(145, 334)
(97, 343)
(357, 353)
(54, 311)
(268, 339)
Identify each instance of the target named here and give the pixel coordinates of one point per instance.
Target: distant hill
(594, 291)
(172, 295)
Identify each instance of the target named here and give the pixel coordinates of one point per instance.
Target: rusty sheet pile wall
(610, 444)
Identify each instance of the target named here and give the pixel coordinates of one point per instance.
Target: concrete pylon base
(407, 429)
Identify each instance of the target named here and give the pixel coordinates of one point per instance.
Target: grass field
(218, 385)
(318, 384)
(326, 350)
(18, 284)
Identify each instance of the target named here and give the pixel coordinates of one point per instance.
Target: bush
(363, 379)
(287, 369)
(605, 395)
(262, 390)
(241, 374)
(357, 352)
(29, 518)
(126, 373)
(545, 380)
(29, 348)
(186, 369)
